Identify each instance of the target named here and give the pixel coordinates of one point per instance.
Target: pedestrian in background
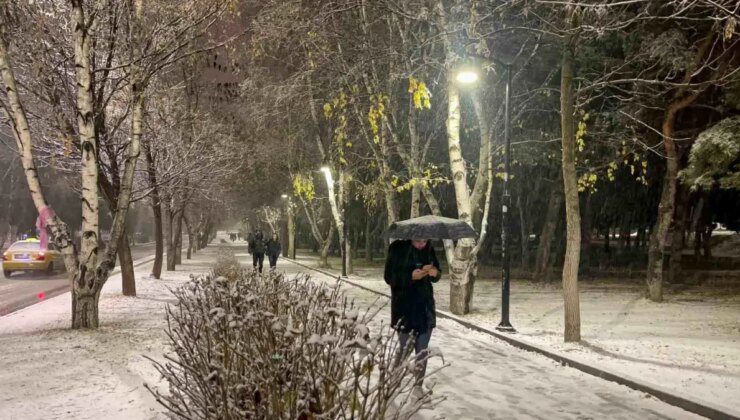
(257, 249)
(273, 250)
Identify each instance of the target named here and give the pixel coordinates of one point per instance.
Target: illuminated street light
(467, 77)
(284, 196)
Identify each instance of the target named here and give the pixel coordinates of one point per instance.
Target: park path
(489, 379)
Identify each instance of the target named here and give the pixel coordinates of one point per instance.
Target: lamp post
(505, 324)
(341, 220)
(469, 76)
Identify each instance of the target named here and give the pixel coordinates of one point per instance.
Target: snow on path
(688, 345)
(50, 372)
(489, 379)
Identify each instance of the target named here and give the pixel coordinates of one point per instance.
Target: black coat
(257, 245)
(273, 248)
(412, 302)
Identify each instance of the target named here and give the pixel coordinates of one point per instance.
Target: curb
(702, 408)
(56, 291)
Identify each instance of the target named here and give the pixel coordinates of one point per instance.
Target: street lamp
(343, 245)
(505, 324)
(467, 77)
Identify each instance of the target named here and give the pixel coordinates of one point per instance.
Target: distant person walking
(410, 270)
(273, 250)
(257, 249)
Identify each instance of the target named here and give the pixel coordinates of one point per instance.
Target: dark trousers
(273, 260)
(257, 259)
(420, 348)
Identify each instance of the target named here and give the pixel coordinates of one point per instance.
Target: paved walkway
(687, 346)
(488, 379)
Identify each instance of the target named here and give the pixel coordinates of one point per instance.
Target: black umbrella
(430, 227)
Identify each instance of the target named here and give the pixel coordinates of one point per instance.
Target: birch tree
(89, 267)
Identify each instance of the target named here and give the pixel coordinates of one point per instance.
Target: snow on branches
(269, 346)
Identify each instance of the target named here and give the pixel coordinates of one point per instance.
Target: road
(23, 289)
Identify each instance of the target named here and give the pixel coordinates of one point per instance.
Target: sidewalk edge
(702, 408)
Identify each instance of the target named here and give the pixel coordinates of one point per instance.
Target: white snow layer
(688, 345)
(48, 371)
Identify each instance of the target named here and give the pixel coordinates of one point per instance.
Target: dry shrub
(227, 265)
(270, 347)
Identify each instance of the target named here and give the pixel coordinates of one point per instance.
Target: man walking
(257, 249)
(410, 270)
(273, 250)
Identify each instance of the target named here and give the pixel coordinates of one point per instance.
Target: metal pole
(344, 240)
(505, 325)
(291, 230)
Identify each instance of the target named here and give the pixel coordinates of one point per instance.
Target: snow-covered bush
(227, 265)
(272, 347)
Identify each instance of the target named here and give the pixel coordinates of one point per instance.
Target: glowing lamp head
(284, 196)
(466, 77)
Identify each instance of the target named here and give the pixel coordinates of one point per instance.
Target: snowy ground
(689, 344)
(487, 378)
(48, 371)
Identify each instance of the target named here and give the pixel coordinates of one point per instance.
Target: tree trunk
(178, 238)
(156, 204)
(586, 236)
(461, 278)
(415, 201)
(324, 256)
(89, 245)
(348, 252)
(334, 203)
(291, 232)
(170, 238)
(128, 280)
(658, 239)
(478, 194)
(158, 240)
(572, 330)
(86, 289)
(524, 231)
(368, 239)
(682, 99)
(191, 242)
(85, 310)
(544, 248)
(676, 232)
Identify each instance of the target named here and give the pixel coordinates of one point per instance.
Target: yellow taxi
(27, 255)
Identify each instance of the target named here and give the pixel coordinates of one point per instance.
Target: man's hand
(431, 270)
(418, 274)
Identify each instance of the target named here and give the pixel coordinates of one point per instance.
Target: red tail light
(40, 256)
